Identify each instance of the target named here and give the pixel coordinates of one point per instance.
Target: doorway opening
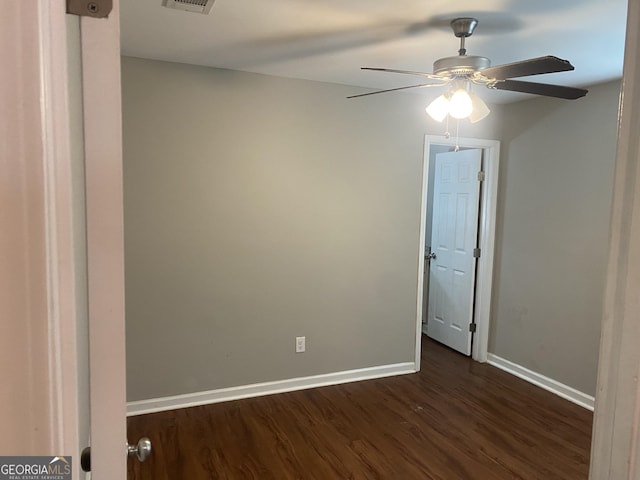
(486, 236)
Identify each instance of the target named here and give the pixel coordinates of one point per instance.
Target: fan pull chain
(447, 135)
(457, 147)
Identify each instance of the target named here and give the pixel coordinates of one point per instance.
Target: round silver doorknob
(430, 256)
(142, 449)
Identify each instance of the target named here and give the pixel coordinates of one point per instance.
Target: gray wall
(554, 200)
(258, 209)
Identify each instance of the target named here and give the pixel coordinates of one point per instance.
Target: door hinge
(90, 8)
(472, 327)
(476, 252)
(481, 176)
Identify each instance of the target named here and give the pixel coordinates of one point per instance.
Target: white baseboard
(560, 389)
(141, 407)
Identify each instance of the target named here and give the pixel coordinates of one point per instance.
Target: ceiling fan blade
(533, 66)
(396, 89)
(557, 91)
(407, 72)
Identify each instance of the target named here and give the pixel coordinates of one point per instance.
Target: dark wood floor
(456, 419)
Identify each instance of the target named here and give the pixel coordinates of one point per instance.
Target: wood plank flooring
(456, 419)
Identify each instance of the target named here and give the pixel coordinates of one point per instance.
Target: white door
(456, 200)
(100, 43)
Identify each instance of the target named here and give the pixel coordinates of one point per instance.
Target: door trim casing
(486, 234)
(615, 446)
(38, 357)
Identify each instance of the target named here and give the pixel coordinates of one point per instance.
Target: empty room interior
(277, 237)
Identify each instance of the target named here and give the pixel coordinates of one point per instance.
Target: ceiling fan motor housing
(463, 64)
(460, 65)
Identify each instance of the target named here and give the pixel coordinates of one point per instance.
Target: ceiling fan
(460, 71)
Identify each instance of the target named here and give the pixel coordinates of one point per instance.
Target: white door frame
(38, 288)
(486, 233)
(615, 446)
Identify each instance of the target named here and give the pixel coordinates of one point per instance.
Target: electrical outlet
(300, 344)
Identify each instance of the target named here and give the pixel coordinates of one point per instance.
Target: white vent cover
(197, 6)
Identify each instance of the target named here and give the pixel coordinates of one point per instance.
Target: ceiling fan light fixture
(460, 105)
(439, 108)
(464, 69)
(480, 109)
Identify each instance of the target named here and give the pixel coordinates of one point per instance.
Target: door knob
(430, 256)
(142, 449)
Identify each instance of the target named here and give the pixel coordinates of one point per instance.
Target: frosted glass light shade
(439, 108)
(460, 105)
(480, 109)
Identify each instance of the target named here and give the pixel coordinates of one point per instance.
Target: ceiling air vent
(197, 6)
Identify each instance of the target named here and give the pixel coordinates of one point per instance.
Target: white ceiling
(329, 40)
